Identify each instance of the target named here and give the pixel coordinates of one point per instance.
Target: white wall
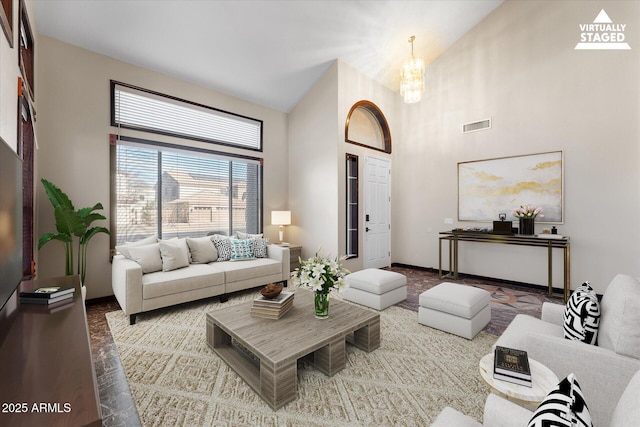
(74, 128)
(313, 170)
(519, 67)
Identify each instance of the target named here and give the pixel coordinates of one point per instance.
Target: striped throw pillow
(563, 406)
(582, 315)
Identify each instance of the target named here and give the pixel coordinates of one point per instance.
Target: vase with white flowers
(321, 274)
(526, 215)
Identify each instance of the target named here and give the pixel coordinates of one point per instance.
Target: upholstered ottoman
(377, 289)
(457, 309)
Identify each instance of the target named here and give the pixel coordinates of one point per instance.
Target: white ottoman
(377, 289)
(457, 309)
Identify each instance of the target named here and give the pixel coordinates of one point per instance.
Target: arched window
(367, 126)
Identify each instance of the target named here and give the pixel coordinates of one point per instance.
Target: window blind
(177, 192)
(153, 112)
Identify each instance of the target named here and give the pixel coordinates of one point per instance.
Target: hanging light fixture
(412, 78)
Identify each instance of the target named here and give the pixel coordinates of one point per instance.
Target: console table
(550, 243)
(46, 369)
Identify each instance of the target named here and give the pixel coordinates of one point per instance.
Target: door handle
(367, 229)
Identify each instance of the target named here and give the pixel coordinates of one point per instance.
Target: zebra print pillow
(582, 315)
(563, 406)
(223, 246)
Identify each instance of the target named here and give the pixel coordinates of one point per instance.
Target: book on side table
(512, 365)
(47, 295)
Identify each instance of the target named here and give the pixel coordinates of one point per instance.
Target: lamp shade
(280, 217)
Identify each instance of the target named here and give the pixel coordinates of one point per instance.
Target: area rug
(177, 380)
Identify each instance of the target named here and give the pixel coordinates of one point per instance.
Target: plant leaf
(92, 217)
(86, 211)
(57, 197)
(47, 237)
(68, 221)
(92, 232)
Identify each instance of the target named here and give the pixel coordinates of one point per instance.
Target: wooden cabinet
(46, 368)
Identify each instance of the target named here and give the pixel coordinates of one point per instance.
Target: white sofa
(138, 292)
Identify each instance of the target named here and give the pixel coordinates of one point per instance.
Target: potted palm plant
(70, 223)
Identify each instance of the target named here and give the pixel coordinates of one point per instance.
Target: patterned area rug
(177, 380)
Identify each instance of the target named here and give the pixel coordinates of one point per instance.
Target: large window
(176, 191)
(142, 109)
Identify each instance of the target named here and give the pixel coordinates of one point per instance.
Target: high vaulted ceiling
(267, 52)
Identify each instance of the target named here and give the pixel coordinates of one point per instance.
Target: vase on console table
(526, 226)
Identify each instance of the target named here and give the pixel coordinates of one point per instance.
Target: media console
(549, 242)
(47, 375)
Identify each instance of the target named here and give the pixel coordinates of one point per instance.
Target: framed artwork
(487, 188)
(6, 19)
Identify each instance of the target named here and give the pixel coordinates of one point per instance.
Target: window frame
(178, 101)
(113, 142)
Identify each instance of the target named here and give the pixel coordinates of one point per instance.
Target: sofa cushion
(242, 235)
(582, 315)
(627, 411)
(175, 254)
(202, 250)
(124, 248)
(514, 336)
(250, 269)
(223, 246)
(148, 256)
(563, 406)
(260, 247)
(620, 320)
(196, 276)
(241, 249)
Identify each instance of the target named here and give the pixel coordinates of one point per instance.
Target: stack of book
(48, 296)
(512, 365)
(273, 308)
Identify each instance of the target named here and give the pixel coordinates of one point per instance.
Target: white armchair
(603, 371)
(499, 412)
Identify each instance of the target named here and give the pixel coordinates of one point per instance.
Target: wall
(519, 67)
(353, 87)
(313, 171)
(74, 128)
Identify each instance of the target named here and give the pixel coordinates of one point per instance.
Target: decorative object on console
(281, 218)
(582, 315)
(502, 226)
(70, 223)
(322, 275)
(412, 78)
(526, 215)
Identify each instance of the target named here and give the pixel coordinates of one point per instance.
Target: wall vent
(476, 126)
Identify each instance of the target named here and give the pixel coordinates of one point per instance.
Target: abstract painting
(487, 188)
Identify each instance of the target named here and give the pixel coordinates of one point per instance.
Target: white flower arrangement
(527, 211)
(321, 274)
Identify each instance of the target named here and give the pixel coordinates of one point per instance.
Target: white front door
(377, 240)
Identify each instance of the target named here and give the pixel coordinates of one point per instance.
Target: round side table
(543, 380)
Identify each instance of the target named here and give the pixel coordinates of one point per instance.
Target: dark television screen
(10, 222)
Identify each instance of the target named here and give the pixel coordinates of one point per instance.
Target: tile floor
(118, 408)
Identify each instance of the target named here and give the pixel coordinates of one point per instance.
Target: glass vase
(322, 305)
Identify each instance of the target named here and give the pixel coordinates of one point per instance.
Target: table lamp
(281, 218)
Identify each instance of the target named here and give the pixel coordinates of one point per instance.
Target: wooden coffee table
(543, 380)
(265, 352)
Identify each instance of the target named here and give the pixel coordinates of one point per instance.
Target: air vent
(476, 126)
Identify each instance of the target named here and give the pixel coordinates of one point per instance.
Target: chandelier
(412, 78)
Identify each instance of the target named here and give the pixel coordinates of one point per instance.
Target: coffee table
(264, 352)
(543, 380)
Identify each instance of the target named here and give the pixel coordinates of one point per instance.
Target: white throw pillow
(202, 250)
(124, 248)
(175, 254)
(620, 320)
(242, 235)
(148, 256)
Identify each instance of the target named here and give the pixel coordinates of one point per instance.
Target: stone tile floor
(118, 408)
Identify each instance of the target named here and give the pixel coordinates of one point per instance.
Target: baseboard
(482, 278)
